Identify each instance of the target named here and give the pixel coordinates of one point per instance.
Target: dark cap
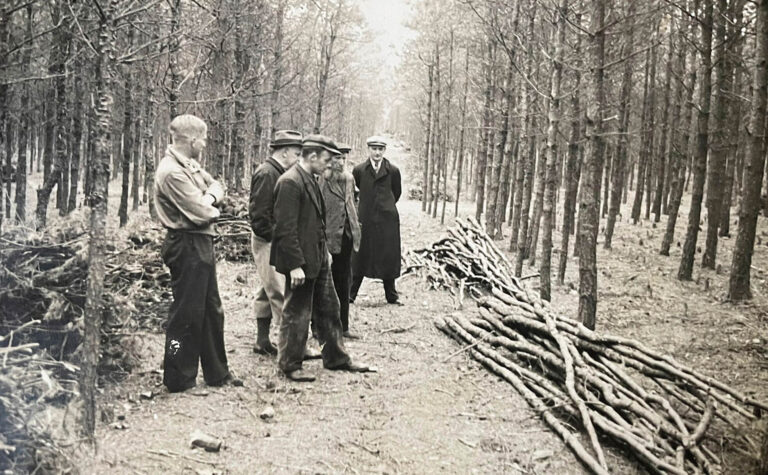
(321, 141)
(344, 148)
(286, 138)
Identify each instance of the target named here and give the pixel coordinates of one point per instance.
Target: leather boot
(263, 345)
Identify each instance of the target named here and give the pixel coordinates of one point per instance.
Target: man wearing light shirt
(185, 195)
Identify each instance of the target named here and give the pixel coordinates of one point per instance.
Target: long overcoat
(379, 254)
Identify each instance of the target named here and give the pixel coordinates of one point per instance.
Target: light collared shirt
(180, 185)
(376, 165)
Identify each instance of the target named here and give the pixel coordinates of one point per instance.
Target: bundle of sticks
(234, 229)
(666, 414)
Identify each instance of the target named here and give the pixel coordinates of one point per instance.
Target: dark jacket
(340, 211)
(299, 235)
(262, 197)
(379, 254)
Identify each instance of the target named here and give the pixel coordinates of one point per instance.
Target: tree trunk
(739, 284)
(425, 189)
(25, 123)
(326, 54)
(125, 164)
(642, 158)
(498, 163)
(680, 142)
(529, 163)
(622, 149)
(718, 145)
(60, 128)
(438, 152)
(482, 155)
(77, 136)
(552, 155)
(588, 218)
(661, 162)
(138, 128)
(649, 132)
(277, 71)
(94, 304)
(572, 167)
(460, 157)
(150, 153)
(685, 271)
(173, 59)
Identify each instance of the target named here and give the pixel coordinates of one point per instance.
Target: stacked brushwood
(234, 229)
(668, 415)
(42, 296)
(32, 382)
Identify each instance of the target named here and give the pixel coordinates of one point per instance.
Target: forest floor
(427, 409)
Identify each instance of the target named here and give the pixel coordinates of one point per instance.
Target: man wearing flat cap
(285, 150)
(380, 187)
(342, 228)
(299, 251)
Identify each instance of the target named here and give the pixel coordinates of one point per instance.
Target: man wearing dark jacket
(286, 149)
(342, 228)
(380, 188)
(300, 253)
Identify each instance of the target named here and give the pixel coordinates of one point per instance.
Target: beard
(333, 174)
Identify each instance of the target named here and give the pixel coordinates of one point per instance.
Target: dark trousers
(390, 292)
(315, 301)
(195, 329)
(341, 268)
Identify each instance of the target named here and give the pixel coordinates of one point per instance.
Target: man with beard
(342, 228)
(300, 253)
(380, 188)
(285, 150)
(185, 195)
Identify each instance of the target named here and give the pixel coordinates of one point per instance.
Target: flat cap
(344, 148)
(285, 138)
(322, 141)
(376, 140)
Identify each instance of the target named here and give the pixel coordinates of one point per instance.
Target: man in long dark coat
(380, 187)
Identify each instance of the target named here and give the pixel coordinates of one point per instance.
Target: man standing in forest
(185, 195)
(286, 149)
(342, 228)
(379, 255)
(300, 253)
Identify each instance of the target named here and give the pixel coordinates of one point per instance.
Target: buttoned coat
(339, 197)
(299, 234)
(379, 254)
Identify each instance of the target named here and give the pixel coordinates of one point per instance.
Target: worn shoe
(312, 354)
(228, 380)
(300, 376)
(395, 302)
(265, 348)
(354, 368)
(351, 336)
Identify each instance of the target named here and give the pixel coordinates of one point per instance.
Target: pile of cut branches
(30, 381)
(234, 229)
(666, 414)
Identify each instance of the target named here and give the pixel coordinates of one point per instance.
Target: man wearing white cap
(380, 188)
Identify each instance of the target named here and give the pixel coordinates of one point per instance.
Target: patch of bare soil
(430, 408)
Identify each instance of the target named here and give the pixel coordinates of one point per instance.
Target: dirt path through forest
(428, 409)
(418, 414)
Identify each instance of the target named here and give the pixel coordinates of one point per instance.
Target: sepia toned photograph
(384, 237)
